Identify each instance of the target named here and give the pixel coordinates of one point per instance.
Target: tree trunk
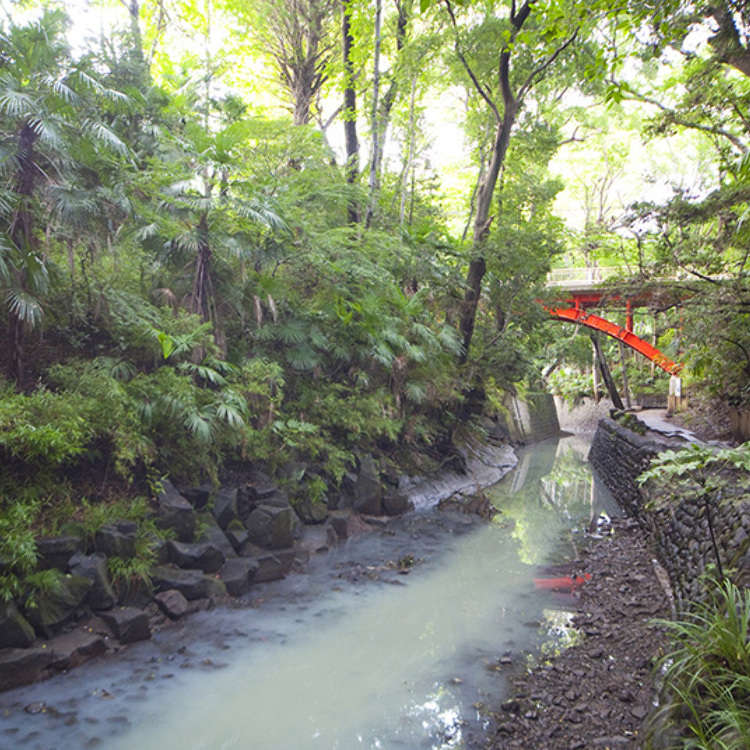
(389, 98)
(606, 375)
(350, 110)
(201, 297)
(482, 221)
(625, 387)
(375, 124)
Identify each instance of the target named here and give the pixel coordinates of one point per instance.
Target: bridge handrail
(593, 274)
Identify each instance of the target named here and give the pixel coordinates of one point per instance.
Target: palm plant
(45, 100)
(209, 217)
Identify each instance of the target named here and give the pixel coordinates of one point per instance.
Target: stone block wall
(680, 532)
(619, 455)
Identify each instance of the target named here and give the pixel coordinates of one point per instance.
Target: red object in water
(564, 583)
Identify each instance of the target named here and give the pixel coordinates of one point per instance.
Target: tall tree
(46, 104)
(350, 107)
(529, 47)
(298, 36)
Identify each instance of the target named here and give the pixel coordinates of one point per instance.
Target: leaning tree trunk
(482, 222)
(350, 110)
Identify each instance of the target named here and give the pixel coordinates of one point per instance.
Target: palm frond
(100, 132)
(16, 103)
(24, 307)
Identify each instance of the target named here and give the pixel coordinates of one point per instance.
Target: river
(397, 639)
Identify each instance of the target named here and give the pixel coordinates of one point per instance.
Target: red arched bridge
(580, 293)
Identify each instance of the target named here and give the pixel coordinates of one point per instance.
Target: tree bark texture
(350, 110)
(606, 374)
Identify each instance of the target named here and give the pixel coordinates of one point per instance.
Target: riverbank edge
(92, 637)
(598, 692)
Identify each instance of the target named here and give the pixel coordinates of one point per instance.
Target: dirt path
(595, 694)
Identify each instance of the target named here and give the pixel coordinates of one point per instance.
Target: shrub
(707, 674)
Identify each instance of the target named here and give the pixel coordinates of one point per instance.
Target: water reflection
(402, 662)
(551, 489)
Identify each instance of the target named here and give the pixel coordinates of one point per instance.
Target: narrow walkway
(658, 421)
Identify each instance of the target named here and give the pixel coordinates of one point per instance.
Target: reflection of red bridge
(580, 293)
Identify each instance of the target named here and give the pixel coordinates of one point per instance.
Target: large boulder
(273, 565)
(396, 503)
(15, 630)
(55, 551)
(175, 512)
(129, 624)
(237, 535)
(238, 573)
(258, 488)
(72, 649)
(116, 539)
(224, 508)
(311, 512)
(198, 497)
(201, 555)
(368, 491)
(94, 567)
(211, 533)
(346, 523)
(172, 603)
(192, 584)
(271, 526)
(22, 666)
(58, 604)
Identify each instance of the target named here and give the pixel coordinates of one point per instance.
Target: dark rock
(211, 534)
(238, 573)
(59, 604)
(172, 603)
(198, 497)
(55, 551)
(347, 523)
(129, 624)
(396, 503)
(271, 526)
(22, 666)
(312, 512)
(256, 490)
(202, 555)
(15, 630)
(237, 537)
(224, 508)
(72, 649)
(192, 584)
(116, 539)
(273, 565)
(94, 567)
(176, 513)
(368, 492)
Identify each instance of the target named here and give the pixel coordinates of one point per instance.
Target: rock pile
(220, 543)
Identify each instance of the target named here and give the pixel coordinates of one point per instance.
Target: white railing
(584, 277)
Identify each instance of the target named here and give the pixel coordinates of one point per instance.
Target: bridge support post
(606, 374)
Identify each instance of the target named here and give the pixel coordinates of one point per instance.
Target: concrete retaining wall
(531, 418)
(680, 531)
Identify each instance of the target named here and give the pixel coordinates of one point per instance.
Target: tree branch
(477, 85)
(529, 82)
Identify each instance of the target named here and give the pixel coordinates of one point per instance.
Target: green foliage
(697, 468)
(571, 384)
(43, 428)
(707, 674)
(17, 545)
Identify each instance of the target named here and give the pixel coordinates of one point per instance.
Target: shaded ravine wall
(680, 532)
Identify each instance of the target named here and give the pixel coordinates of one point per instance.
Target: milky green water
(326, 661)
